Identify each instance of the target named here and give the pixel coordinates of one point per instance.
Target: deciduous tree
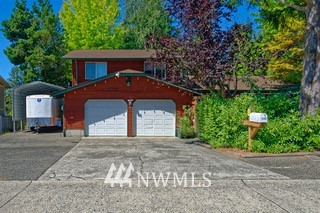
(200, 54)
(92, 24)
(286, 50)
(249, 59)
(310, 84)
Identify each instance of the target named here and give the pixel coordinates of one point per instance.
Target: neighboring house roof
(109, 54)
(246, 83)
(4, 83)
(124, 73)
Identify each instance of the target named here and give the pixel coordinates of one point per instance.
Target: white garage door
(154, 117)
(106, 118)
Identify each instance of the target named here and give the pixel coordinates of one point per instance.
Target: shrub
(220, 123)
(186, 129)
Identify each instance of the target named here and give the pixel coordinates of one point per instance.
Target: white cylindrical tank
(42, 110)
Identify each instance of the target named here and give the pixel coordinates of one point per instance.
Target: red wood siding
(130, 121)
(113, 66)
(116, 88)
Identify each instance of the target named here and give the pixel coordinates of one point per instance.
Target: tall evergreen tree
(143, 19)
(14, 29)
(47, 47)
(36, 43)
(92, 24)
(15, 79)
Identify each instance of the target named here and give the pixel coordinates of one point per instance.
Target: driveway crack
(77, 177)
(53, 175)
(252, 189)
(24, 188)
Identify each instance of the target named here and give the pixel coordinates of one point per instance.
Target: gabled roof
(123, 73)
(4, 83)
(109, 54)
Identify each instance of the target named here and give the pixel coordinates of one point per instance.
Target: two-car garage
(149, 118)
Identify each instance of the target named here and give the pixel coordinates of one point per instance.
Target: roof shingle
(109, 54)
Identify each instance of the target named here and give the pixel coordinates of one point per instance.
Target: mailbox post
(255, 122)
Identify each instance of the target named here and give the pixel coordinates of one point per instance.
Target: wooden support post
(253, 128)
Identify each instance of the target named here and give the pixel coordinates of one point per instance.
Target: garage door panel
(154, 118)
(148, 131)
(91, 131)
(121, 121)
(106, 118)
(100, 131)
(111, 121)
(139, 122)
(121, 131)
(100, 123)
(148, 122)
(158, 122)
(158, 131)
(168, 131)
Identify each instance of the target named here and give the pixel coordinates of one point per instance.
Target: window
(156, 70)
(95, 70)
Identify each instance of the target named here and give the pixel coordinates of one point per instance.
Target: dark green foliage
(143, 20)
(36, 43)
(15, 79)
(186, 129)
(220, 123)
(14, 29)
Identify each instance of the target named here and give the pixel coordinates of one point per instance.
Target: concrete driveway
(236, 185)
(295, 166)
(26, 156)
(92, 158)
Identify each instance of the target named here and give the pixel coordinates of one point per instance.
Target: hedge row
(220, 123)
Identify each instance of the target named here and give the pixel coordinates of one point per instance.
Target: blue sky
(6, 8)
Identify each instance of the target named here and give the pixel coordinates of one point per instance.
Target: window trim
(95, 70)
(154, 70)
(144, 68)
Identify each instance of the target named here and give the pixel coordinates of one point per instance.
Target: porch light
(130, 102)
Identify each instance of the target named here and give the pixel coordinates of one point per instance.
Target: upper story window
(95, 70)
(156, 70)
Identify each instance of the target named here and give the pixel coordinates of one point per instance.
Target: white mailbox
(258, 117)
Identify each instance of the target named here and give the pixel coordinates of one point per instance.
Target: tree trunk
(310, 85)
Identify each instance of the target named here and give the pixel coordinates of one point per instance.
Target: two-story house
(118, 93)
